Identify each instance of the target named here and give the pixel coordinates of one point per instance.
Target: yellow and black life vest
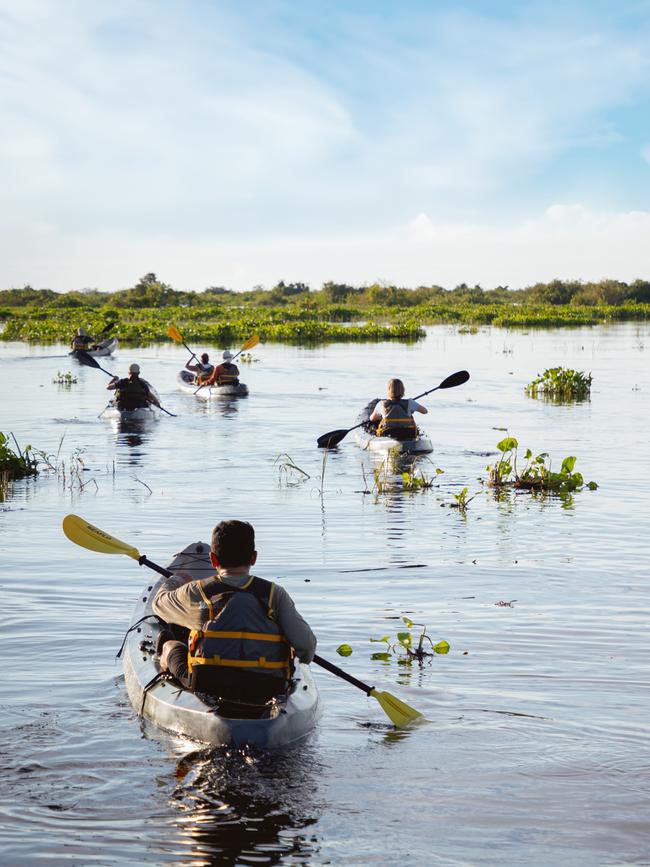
(227, 374)
(397, 421)
(131, 394)
(241, 632)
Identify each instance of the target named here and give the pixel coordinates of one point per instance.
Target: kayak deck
(159, 698)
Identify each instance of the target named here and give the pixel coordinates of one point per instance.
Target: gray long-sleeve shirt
(181, 602)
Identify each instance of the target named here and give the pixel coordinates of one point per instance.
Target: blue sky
(236, 144)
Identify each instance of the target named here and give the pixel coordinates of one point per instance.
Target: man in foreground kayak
(394, 416)
(244, 630)
(132, 392)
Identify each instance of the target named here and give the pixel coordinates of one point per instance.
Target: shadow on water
(241, 806)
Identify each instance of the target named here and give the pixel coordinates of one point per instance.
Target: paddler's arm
(179, 601)
(112, 385)
(292, 625)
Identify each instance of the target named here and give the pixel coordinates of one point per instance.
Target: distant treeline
(150, 292)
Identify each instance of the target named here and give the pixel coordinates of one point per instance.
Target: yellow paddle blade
(82, 533)
(399, 713)
(251, 342)
(175, 334)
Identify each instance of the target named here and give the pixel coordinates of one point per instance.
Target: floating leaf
(441, 647)
(592, 486)
(408, 622)
(344, 650)
(405, 638)
(568, 464)
(507, 444)
(385, 656)
(384, 638)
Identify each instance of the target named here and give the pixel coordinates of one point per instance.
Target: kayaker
(202, 368)
(82, 340)
(394, 416)
(132, 391)
(225, 373)
(244, 630)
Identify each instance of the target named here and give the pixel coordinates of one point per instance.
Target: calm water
(536, 746)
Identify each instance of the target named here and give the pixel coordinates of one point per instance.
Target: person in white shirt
(394, 416)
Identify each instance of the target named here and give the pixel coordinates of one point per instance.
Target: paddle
(88, 536)
(177, 337)
(89, 361)
(250, 343)
(334, 437)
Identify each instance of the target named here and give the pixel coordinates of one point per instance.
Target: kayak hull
(187, 383)
(287, 719)
(143, 413)
(422, 445)
(105, 348)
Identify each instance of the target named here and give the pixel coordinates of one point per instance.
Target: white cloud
(570, 242)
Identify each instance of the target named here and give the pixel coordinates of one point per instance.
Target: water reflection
(239, 807)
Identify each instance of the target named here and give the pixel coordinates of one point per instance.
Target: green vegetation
(293, 313)
(14, 465)
(560, 384)
(462, 500)
(537, 474)
(403, 646)
(64, 378)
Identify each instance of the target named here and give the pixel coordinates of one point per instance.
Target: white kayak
(106, 347)
(142, 414)
(420, 445)
(187, 383)
(367, 438)
(158, 697)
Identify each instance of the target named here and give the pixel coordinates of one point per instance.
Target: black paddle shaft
(334, 669)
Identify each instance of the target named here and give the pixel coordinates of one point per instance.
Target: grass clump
(560, 384)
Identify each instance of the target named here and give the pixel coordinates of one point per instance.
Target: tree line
(149, 291)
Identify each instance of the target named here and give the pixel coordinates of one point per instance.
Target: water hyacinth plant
(560, 384)
(537, 474)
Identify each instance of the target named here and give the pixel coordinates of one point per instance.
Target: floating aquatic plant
(560, 384)
(537, 473)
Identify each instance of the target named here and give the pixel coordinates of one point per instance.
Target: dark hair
(206, 356)
(233, 543)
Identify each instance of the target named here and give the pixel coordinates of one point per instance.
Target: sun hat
(81, 331)
(134, 368)
(227, 355)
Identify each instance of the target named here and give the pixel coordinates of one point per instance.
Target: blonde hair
(395, 389)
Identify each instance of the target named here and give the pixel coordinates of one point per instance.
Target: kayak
(367, 438)
(106, 347)
(422, 445)
(143, 413)
(187, 382)
(159, 698)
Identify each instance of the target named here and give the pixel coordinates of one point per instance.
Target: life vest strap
(262, 662)
(253, 636)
